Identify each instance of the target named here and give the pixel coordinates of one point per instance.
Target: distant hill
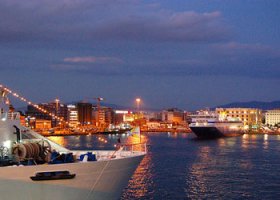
(114, 106)
(253, 104)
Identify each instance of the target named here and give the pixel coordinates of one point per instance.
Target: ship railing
(134, 148)
(10, 116)
(125, 150)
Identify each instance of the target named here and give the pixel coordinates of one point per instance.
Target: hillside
(253, 104)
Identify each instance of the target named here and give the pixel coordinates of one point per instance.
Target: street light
(56, 109)
(138, 100)
(99, 99)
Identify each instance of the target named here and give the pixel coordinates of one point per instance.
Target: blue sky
(188, 54)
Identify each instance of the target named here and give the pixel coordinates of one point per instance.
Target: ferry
(112, 129)
(208, 125)
(34, 167)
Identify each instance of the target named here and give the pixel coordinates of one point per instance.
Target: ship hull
(211, 132)
(93, 180)
(121, 131)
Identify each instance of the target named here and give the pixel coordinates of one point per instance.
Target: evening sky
(188, 54)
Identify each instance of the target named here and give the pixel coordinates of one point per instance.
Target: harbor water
(178, 166)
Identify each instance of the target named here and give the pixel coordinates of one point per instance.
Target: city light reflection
(244, 141)
(265, 141)
(141, 184)
(197, 174)
(59, 140)
(221, 142)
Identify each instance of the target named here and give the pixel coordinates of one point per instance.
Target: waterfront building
(84, 113)
(61, 111)
(98, 116)
(251, 117)
(152, 116)
(153, 124)
(43, 124)
(109, 115)
(103, 116)
(272, 117)
(34, 112)
(55, 108)
(173, 115)
(72, 115)
(120, 116)
(128, 117)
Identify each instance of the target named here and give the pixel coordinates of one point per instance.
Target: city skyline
(186, 54)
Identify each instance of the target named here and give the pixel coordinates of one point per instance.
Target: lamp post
(99, 99)
(138, 101)
(56, 109)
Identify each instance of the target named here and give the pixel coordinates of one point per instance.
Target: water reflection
(244, 141)
(141, 184)
(178, 135)
(227, 142)
(231, 167)
(59, 140)
(196, 179)
(265, 141)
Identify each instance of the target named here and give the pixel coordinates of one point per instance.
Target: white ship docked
(207, 124)
(33, 167)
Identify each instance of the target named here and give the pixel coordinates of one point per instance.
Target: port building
(84, 113)
(251, 117)
(272, 117)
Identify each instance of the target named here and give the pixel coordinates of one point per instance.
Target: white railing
(126, 150)
(139, 147)
(10, 116)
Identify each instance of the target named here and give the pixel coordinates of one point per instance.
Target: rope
(98, 178)
(103, 169)
(101, 173)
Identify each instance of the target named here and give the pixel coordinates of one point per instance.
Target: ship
(112, 129)
(34, 167)
(209, 125)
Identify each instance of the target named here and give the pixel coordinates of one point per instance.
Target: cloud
(243, 59)
(235, 48)
(151, 39)
(225, 59)
(91, 21)
(98, 65)
(92, 59)
(166, 26)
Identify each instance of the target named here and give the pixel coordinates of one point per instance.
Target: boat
(34, 167)
(114, 131)
(111, 129)
(209, 125)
